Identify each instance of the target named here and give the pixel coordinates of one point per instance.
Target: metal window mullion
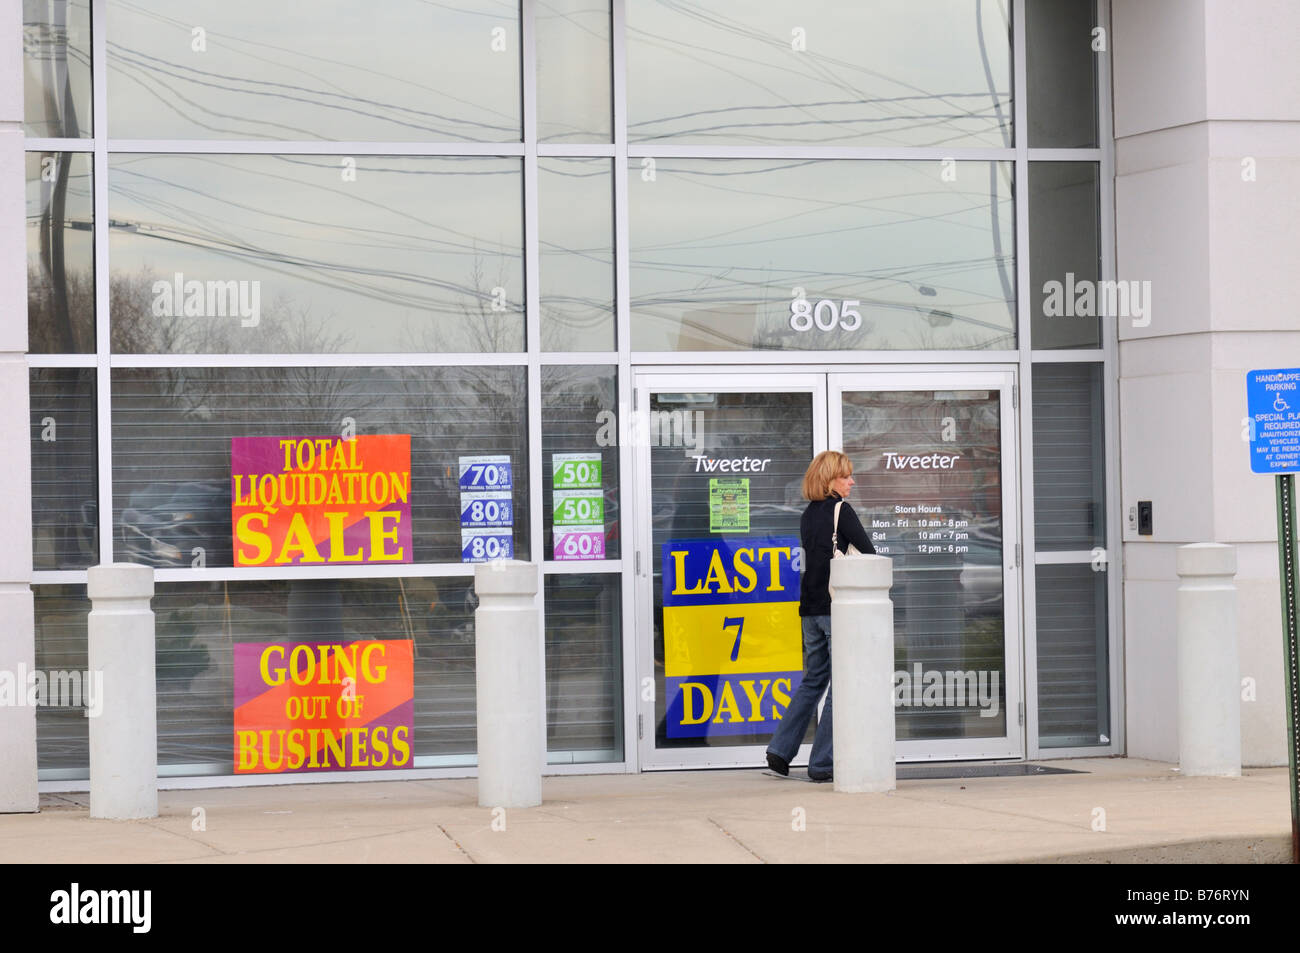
(532, 330)
(326, 571)
(597, 358)
(102, 280)
(575, 150)
(1110, 397)
(314, 147)
(55, 144)
(62, 360)
(917, 154)
(1064, 557)
(721, 359)
(1064, 155)
(450, 359)
(628, 504)
(570, 567)
(1070, 356)
(1024, 342)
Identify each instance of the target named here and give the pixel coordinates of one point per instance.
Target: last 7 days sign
(321, 500)
(733, 648)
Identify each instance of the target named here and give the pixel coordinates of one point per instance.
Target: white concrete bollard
(124, 736)
(1209, 688)
(862, 674)
(508, 675)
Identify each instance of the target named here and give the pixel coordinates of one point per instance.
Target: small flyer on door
(486, 508)
(729, 505)
(578, 501)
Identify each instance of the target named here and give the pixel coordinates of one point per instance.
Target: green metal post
(1289, 578)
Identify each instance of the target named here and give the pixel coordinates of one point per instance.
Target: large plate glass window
(60, 253)
(56, 69)
(805, 254)
(225, 254)
(1072, 559)
(576, 227)
(890, 72)
(401, 70)
(65, 505)
(574, 74)
(1062, 46)
(1069, 301)
(172, 451)
(584, 668)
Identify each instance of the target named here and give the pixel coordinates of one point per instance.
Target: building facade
(322, 308)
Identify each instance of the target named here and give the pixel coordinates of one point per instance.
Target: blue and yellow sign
(733, 648)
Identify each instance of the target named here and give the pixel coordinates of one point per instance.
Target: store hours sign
(733, 648)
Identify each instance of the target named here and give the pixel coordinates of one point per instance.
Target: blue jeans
(816, 679)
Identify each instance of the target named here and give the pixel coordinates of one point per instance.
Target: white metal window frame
(101, 146)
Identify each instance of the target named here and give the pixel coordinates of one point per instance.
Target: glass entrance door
(933, 457)
(720, 458)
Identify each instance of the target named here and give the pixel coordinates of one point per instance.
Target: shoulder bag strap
(835, 531)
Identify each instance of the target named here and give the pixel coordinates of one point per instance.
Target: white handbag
(835, 545)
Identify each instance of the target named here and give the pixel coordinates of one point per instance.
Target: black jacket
(815, 533)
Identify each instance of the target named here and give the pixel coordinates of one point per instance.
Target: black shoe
(821, 777)
(779, 765)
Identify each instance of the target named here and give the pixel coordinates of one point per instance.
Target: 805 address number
(825, 315)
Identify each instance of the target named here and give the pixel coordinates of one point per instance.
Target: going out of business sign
(733, 649)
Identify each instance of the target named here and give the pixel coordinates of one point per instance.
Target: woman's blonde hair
(825, 467)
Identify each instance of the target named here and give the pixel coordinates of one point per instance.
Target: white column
(862, 670)
(17, 634)
(1209, 689)
(124, 736)
(508, 675)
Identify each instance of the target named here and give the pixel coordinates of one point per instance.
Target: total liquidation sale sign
(321, 500)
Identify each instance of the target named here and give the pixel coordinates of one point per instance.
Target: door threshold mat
(935, 772)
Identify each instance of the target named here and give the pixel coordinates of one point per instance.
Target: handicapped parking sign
(1273, 406)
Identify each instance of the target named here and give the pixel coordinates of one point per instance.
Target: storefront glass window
(56, 68)
(220, 254)
(64, 474)
(174, 460)
(1062, 45)
(580, 475)
(60, 253)
(1068, 299)
(891, 72)
(573, 71)
(402, 70)
(805, 254)
(576, 227)
(1073, 661)
(62, 730)
(584, 667)
(1069, 457)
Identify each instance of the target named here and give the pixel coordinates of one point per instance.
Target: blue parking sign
(1273, 403)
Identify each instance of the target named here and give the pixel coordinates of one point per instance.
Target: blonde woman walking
(826, 484)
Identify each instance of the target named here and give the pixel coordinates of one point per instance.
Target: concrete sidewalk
(1151, 814)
